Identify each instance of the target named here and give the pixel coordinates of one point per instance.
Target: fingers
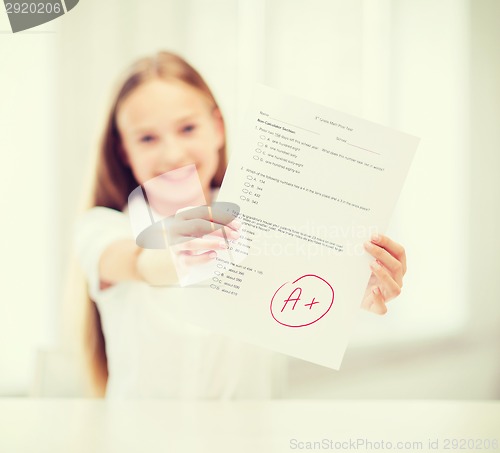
(219, 213)
(194, 245)
(218, 219)
(374, 300)
(388, 270)
(392, 247)
(390, 262)
(181, 231)
(388, 287)
(378, 303)
(200, 227)
(187, 260)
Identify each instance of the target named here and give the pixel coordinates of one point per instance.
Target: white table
(72, 426)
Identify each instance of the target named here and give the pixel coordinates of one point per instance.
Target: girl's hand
(196, 234)
(388, 270)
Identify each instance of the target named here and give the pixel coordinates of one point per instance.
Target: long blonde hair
(114, 180)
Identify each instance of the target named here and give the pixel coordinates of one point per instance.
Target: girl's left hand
(388, 270)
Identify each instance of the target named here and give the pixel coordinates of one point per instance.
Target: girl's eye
(147, 138)
(188, 128)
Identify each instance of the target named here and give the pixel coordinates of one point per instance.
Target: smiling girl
(164, 117)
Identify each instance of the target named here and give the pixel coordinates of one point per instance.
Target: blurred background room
(430, 68)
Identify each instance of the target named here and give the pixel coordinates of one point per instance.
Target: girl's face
(166, 125)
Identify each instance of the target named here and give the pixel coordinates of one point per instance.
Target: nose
(172, 154)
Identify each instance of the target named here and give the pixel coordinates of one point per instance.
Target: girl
(164, 117)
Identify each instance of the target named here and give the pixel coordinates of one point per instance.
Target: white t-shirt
(152, 353)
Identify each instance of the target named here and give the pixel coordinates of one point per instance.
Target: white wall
(29, 219)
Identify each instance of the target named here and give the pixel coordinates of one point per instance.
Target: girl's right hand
(196, 234)
(174, 250)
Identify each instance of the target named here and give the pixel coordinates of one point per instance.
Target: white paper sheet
(313, 184)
